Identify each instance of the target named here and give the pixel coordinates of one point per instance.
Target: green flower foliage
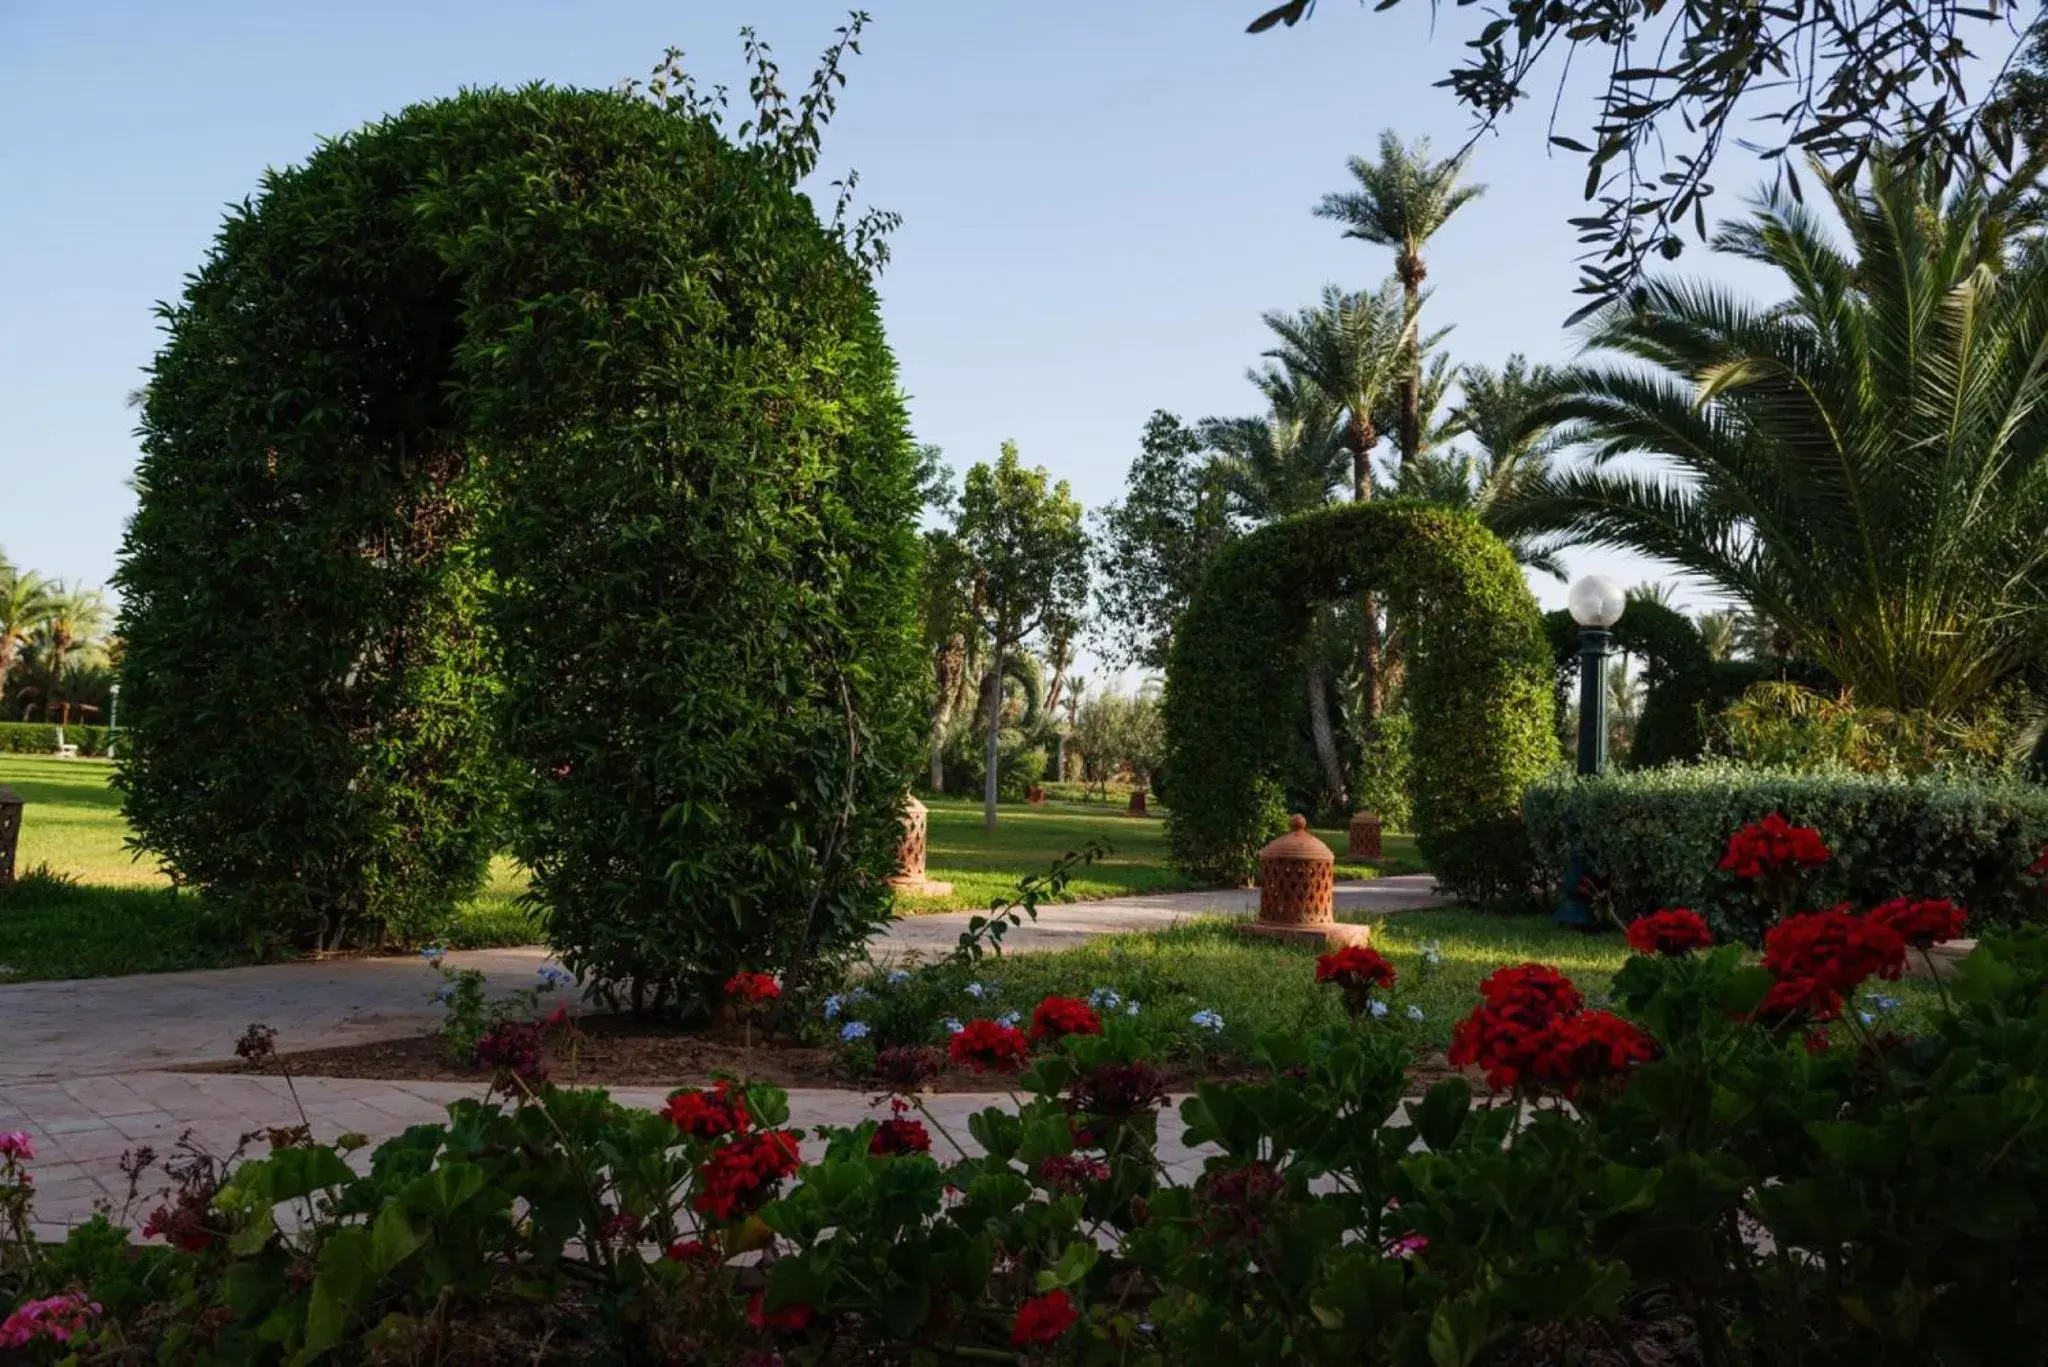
(530, 455)
(1480, 681)
(1686, 688)
(1654, 836)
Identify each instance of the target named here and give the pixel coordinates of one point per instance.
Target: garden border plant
(531, 464)
(1480, 680)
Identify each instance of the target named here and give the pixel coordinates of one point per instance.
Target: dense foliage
(1479, 677)
(1732, 1165)
(1686, 687)
(1864, 463)
(40, 738)
(1151, 546)
(538, 445)
(1650, 837)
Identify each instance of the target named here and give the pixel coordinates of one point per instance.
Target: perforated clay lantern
(10, 833)
(909, 876)
(1365, 836)
(1297, 892)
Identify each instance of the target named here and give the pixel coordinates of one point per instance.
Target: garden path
(84, 1070)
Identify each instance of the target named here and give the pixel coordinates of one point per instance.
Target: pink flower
(56, 1318)
(15, 1144)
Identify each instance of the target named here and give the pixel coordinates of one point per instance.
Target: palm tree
(1290, 461)
(1400, 201)
(1513, 457)
(73, 621)
(1717, 633)
(1865, 464)
(24, 606)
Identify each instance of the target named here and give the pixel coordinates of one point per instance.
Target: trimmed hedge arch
(1479, 684)
(528, 463)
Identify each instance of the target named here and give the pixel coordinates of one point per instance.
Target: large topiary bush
(1479, 684)
(538, 455)
(1653, 837)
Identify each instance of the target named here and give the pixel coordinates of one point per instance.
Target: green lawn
(123, 917)
(982, 864)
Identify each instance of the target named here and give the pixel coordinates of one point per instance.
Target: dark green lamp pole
(1596, 603)
(113, 716)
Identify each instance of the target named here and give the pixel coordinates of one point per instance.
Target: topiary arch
(1479, 681)
(528, 466)
(1685, 687)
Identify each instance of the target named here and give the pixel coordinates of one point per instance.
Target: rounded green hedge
(1479, 685)
(528, 468)
(1655, 837)
(1685, 686)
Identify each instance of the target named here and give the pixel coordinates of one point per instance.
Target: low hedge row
(40, 738)
(1654, 836)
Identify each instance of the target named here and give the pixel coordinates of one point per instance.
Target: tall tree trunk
(1325, 736)
(992, 686)
(1363, 437)
(1410, 269)
(948, 667)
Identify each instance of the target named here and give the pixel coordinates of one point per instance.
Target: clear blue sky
(1098, 200)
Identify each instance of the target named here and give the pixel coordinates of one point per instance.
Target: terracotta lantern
(1137, 802)
(909, 875)
(10, 833)
(1365, 836)
(1297, 893)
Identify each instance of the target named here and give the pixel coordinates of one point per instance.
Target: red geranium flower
(1043, 1319)
(1506, 1032)
(752, 987)
(1588, 1047)
(739, 1178)
(900, 1136)
(1057, 1017)
(712, 1113)
(690, 1251)
(984, 1045)
(1673, 931)
(1834, 948)
(1773, 845)
(1071, 1172)
(790, 1317)
(1534, 992)
(1796, 1001)
(1921, 923)
(1355, 966)
(2040, 866)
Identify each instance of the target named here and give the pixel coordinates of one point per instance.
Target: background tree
(1028, 557)
(25, 599)
(1717, 633)
(1151, 547)
(951, 635)
(1864, 464)
(1400, 201)
(1832, 77)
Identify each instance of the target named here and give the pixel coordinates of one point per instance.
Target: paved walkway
(84, 1060)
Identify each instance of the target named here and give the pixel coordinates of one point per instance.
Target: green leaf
(392, 1239)
(1440, 1116)
(341, 1286)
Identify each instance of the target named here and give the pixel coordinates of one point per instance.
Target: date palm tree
(1864, 464)
(72, 628)
(1400, 201)
(24, 606)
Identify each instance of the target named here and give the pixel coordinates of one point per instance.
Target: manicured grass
(1258, 987)
(983, 865)
(122, 916)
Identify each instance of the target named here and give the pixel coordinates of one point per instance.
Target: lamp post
(113, 715)
(1596, 603)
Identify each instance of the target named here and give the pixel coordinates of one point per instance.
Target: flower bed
(1736, 1164)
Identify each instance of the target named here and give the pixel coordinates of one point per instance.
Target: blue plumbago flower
(898, 976)
(1105, 999)
(858, 994)
(433, 954)
(853, 1030)
(1414, 1013)
(1130, 1008)
(446, 994)
(954, 1027)
(1885, 1005)
(1865, 1017)
(832, 1007)
(1432, 954)
(552, 977)
(1010, 1018)
(977, 991)
(1208, 1020)
(1376, 1008)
